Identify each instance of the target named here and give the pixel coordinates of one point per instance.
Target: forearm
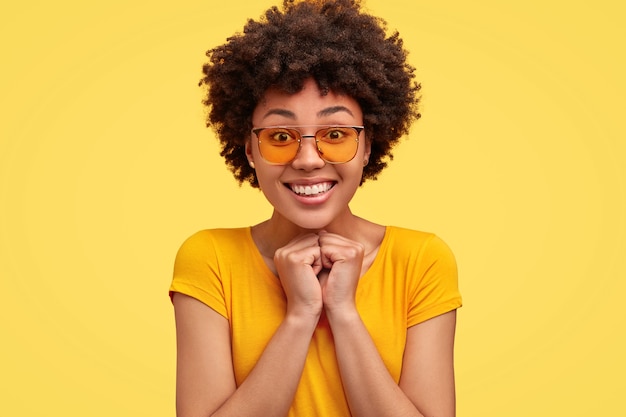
(370, 389)
(270, 387)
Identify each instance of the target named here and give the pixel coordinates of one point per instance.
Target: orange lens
(337, 144)
(280, 145)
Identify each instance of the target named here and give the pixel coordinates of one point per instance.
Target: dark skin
(334, 42)
(319, 250)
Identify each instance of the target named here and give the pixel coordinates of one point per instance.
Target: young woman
(314, 312)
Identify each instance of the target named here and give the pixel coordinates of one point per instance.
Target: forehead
(308, 103)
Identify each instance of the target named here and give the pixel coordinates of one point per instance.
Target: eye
(336, 134)
(281, 136)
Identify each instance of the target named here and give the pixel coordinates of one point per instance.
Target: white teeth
(311, 189)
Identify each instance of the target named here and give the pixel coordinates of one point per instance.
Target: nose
(308, 157)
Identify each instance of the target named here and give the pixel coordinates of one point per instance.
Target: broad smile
(311, 190)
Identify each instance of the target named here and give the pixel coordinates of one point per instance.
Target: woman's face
(330, 186)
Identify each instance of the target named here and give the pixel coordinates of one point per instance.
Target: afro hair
(343, 48)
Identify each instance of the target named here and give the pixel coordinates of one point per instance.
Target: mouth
(311, 190)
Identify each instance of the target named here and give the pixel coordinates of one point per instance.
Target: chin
(313, 226)
(311, 222)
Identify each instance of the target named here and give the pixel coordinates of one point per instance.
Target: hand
(342, 260)
(298, 264)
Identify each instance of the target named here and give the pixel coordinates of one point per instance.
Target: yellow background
(518, 163)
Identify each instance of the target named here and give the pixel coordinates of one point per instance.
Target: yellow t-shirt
(412, 279)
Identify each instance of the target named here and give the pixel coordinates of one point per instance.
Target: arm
(428, 366)
(205, 382)
(205, 377)
(427, 383)
(426, 387)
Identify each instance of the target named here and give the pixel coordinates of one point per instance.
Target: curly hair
(344, 49)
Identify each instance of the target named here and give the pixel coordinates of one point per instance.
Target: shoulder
(411, 242)
(210, 243)
(431, 272)
(202, 264)
(424, 254)
(207, 238)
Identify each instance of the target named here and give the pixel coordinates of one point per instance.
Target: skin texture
(278, 108)
(319, 250)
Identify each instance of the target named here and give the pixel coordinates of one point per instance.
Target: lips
(311, 190)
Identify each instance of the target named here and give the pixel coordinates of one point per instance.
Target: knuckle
(283, 255)
(356, 251)
(292, 257)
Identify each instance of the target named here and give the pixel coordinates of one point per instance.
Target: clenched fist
(319, 271)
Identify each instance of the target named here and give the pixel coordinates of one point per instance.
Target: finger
(303, 241)
(326, 238)
(308, 255)
(317, 264)
(338, 248)
(297, 244)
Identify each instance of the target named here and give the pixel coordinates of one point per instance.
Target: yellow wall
(105, 167)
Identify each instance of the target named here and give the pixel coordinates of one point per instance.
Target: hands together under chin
(319, 271)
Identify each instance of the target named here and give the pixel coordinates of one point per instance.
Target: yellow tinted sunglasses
(279, 145)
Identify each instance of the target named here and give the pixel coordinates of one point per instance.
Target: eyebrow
(322, 113)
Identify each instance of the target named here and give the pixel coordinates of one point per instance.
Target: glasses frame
(357, 129)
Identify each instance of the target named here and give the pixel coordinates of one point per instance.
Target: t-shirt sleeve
(436, 289)
(197, 272)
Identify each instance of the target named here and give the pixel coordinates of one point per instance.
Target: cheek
(268, 175)
(353, 172)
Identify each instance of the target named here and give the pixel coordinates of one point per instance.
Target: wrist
(344, 315)
(302, 318)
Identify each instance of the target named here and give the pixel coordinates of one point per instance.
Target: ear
(249, 155)
(368, 152)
